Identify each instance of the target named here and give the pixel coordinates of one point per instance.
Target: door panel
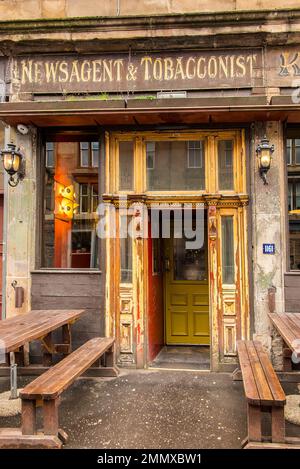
(187, 295)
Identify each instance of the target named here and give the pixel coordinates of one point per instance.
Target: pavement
(154, 409)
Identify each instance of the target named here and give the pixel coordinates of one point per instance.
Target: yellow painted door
(186, 290)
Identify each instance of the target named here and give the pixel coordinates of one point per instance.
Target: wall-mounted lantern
(264, 152)
(13, 163)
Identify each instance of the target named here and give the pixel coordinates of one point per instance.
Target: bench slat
(248, 378)
(284, 330)
(264, 391)
(273, 381)
(58, 378)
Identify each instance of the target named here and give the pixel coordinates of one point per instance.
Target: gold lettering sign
(137, 72)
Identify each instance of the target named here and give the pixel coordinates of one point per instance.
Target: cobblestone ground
(154, 409)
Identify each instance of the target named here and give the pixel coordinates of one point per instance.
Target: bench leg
(19, 355)
(254, 423)
(278, 425)
(287, 358)
(50, 409)
(66, 337)
(28, 417)
(47, 347)
(110, 357)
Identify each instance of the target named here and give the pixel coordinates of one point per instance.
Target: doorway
(186, 291)
(178, 301)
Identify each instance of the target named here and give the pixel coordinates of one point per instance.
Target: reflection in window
(69, 239)
(89, 154)
(293, 200)
(50, 154)
(195, 154)
(175, 165)
(126, 166)
(156, 256)
(150, 155)
(125, 250)
(225, 165)
(227, 250)
(190, 264)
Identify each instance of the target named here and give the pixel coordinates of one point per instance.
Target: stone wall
(268, 226)
(22, 219)
(32, 9)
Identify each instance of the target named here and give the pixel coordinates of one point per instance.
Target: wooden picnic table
(288, 326)
(36, 325)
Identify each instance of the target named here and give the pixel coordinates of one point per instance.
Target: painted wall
(30, 9)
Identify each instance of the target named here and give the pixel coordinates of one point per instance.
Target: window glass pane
(290, 196)
(95, 200)
(289, 151)
(84, 154)
(150, 155)
(297, 193)
(84, 198)
(49, 154)
(297, 151)
(293, 199)
(69, 232)
(156, 256)
(225, 164)
(95, 154)
(126, 166)
(125, 250)
(227, 250)
(172, 171)
(190, 264)
(195, 154)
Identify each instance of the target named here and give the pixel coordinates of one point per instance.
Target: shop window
(70, 203)
(175, 165)
(293, 199)
(225, 165)
(227, 250)
(126, 166)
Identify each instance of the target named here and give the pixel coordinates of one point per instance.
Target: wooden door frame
(126, 306)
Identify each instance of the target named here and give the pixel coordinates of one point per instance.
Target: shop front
(144, 199)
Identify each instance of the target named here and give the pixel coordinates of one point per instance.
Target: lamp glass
(8, 161)
(16, 163)
(265, 158)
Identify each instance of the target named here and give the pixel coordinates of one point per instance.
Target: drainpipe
(118, 7)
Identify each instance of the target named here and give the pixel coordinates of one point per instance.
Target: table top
(288, 326)
(34, 325)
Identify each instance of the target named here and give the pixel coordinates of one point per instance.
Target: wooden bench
(263, 392)
(47, 389)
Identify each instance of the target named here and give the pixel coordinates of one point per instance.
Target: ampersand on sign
(131, 74)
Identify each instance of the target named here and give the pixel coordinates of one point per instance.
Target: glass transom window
(175, 165)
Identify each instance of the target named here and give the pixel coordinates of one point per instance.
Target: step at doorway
(183, 357)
